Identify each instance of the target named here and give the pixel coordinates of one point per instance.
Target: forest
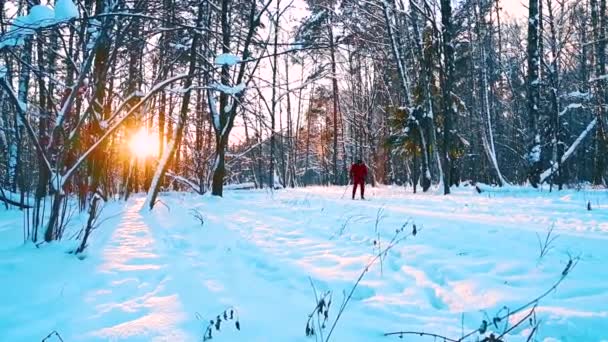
(143, 101)
(426, 92)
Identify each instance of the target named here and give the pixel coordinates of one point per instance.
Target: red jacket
(358, 172)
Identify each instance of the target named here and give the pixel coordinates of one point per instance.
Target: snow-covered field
(161, 276)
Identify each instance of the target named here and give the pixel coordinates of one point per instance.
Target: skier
(358, 173)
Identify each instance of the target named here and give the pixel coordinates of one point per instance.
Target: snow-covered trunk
(291, 171)
(367, 94)
(371, 139)
(489, 146)
(220, 115)
(282, 148)
(533, 92)
(5, 139)
(449, 113)
(397, 53)
(586, 70)
(16, 157)
(199, 138)
(601, 152)
(43, 126)
(308, 127)
(278, 100)
(569, 152)
(100, 69)
(554, 81)
(230, 96)
(428, 132)
(273, 113)
(598, 20)
(259, 151)
(355, 124)
(178, 132)
(476, 123)
(296, 150)
(335, 94)
(161, 170)
(426, 125)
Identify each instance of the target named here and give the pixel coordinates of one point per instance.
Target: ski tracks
(256, 252)
(135, 302)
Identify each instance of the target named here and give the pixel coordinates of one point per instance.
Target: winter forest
(181, 170)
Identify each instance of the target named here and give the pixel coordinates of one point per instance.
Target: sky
(515, 8)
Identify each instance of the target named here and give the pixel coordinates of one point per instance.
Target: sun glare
(143, 145)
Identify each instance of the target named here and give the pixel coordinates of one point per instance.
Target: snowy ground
(147, 275)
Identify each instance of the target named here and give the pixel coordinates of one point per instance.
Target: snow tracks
(256, 253)
(162, 276)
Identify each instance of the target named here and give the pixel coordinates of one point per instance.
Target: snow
(22, 106)
(8, 42)
(579, 95)
(179, 46)
(148, 275)
(228, 107)
(534, 155)
(65, 10)
(598, 78)
(240, 186)
(227, 59)
(214, 112)
(40, 16)
(570, 107)
(239, 88)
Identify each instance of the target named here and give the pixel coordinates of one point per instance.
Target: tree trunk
(598, 20)
(448, 112)
(183, 116)
(533, 92)
(219, 170)
(334, 87)
(275, 70)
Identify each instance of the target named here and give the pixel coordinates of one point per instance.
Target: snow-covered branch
(554, 168)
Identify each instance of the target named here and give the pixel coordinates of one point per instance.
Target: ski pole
(345, 189)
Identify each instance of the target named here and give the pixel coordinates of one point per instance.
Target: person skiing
(358, 173)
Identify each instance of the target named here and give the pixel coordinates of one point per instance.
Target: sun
(142, 144)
